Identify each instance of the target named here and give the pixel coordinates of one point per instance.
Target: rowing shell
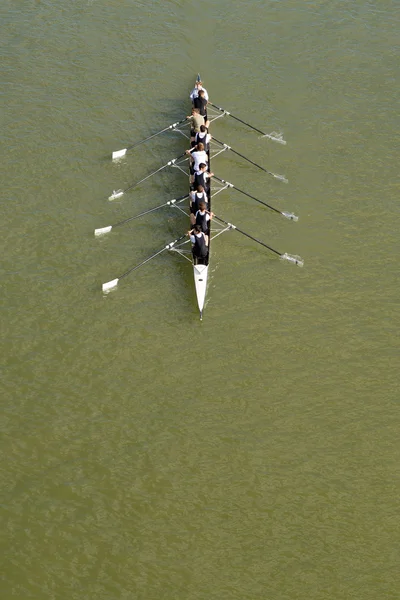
(180, 245)
(200, 272)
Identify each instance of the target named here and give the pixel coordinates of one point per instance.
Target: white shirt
(200, 156)
(195, 92)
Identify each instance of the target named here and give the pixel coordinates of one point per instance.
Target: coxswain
(196, 121)
(203, 136)
(202, 176)
(201, 103)
(195, 91)
(195, 198)
(203, 217)
(199, 244)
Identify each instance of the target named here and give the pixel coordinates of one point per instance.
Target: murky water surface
(147, 455)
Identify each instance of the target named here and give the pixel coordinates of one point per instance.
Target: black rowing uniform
(203, 220)
(201, 104)
(202, 137)
(198, 197)
(201, 178)
(200, 249)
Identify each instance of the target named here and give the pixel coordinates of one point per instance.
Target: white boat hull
(200, 281)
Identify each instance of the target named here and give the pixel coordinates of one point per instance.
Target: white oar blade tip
(102, 230)
(106, 287)
(116, 194)
(290, 216)
(281, 178)
(119, 153)
(275, 137)
(296, 260)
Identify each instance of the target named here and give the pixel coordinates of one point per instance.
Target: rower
(195, 91)
(198, 156)
(202, 176)
(203, 136)
(203, 217)
(196, 121)
(199, 244)
(201, 103)
(195, 198)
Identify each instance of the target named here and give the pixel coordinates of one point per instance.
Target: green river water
(146, 455)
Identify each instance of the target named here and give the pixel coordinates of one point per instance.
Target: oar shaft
(146, 212)
(145, 178)
(237, 118)
(158, 133)
(142, 263)
(247, 235)
(249, 161)
(167, 247)
(169, 163)
(257, 200)
(275, 175)
(242, 156)
(249, 195)
(106, 287)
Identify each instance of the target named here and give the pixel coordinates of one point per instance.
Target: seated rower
(203, 217)
(195, 92)
(199, 243)
(196, 121)
(201, 103)
(202, 176)
(198, 156)
(204, 137)
(195, 199)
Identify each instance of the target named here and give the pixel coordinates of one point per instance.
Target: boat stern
(200, 281)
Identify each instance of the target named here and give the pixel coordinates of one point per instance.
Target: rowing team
(200, 216)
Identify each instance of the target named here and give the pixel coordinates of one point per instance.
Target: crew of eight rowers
(200, 216)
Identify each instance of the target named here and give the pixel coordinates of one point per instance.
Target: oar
(106, 287)
(119, 153)
(275, 137)
(107, 229)
(280, 177)
(294, 259)
(119, 193)
(288, 215)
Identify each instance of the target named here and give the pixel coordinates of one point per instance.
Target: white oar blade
(116, 194)
(106, 287)
(290, 216)
(275, 137)
(280, 178)
(102, 230)
(119, 153)
(296, 260)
